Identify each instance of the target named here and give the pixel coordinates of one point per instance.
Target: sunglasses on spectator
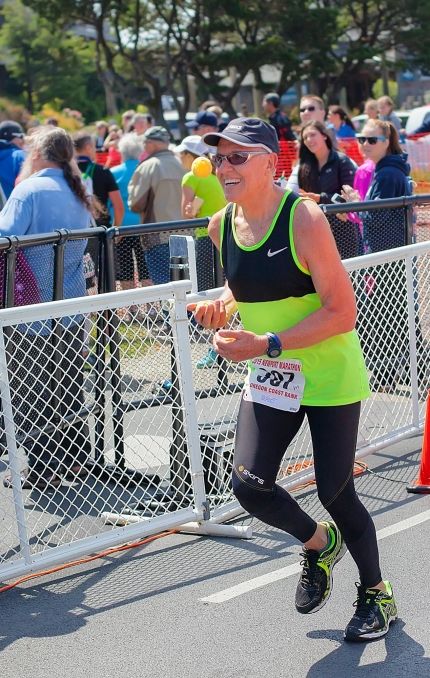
(370, 140)
(307, 108)
(237, 158)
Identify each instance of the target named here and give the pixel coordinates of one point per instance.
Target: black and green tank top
(274, 292)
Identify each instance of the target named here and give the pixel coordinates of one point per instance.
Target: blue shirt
(44, 203)
(11, 159)
(345, 131)
(123, 174)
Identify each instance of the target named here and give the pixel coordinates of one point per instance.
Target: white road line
(284, 572)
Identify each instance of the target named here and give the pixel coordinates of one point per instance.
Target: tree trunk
(108, 85)
(28, 79)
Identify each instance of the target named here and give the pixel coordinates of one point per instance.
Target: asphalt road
(142, 613)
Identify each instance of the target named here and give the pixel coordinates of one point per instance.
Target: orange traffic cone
(422, 485)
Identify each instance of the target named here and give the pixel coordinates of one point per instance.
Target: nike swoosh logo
(272, 254)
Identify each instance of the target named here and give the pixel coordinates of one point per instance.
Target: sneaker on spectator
(208, 360)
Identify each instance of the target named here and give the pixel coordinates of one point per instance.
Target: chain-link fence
(374, 226)
(144, 433)
(63, 265)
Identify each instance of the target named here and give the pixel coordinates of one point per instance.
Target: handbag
(26, 290)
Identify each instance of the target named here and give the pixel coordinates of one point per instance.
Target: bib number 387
(275, 383)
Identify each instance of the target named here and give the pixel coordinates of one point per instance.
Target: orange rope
(359, 467)
(89, 559)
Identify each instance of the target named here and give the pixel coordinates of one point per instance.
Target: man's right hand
(210, 314)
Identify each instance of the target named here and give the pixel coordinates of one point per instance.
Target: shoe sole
(339, 557)
(371, 636)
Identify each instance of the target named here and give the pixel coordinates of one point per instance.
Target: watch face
(274, 353)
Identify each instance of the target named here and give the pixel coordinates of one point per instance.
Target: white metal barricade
(393, 296)
(143, 438)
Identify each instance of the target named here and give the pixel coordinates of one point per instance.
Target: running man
(297, 306)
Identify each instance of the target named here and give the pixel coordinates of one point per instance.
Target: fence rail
(144, 439)
(119, 254)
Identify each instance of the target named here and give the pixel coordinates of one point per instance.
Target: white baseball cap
(193, 144)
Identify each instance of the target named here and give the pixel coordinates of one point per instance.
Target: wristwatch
(274, 345)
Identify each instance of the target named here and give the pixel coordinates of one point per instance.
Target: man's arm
(215, 314)
(139, 189)
(15, 217)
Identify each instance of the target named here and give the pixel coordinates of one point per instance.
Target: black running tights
(262, 437)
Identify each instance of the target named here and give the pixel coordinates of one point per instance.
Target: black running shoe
(375, 610)
(316, 580)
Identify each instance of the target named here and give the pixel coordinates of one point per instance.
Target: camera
(336, 197)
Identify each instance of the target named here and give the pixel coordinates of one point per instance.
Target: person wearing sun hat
(296, 303)
(207, 189)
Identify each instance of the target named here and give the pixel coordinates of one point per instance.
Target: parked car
(416, 118)
(172, 120)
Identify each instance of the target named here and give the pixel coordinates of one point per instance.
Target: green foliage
(143, 48)
(393, 89)
(10, 110)
(49, 62)
(69, 119)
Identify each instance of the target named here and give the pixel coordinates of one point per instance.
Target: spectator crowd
(133, 174)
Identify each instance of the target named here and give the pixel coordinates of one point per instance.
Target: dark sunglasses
(237, 158)
(307, 108)
(370, 140)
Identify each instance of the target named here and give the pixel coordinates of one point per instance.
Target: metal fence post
(10, 434)
(188, 455)
(412, 340)
(410, 224)
(115, 364)
(179, 463)
(56, 335)
(100, 369)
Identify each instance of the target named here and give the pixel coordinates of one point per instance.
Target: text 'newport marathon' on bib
(275, 383)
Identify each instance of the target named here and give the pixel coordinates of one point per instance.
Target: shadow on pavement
(404, 656)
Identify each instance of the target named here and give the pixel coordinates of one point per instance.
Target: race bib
(275, 383)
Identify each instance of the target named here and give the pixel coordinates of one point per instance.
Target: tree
(220, 41)
(415, 34)
(365, 31)
(144, 48)
(49, 63)
(126, 60)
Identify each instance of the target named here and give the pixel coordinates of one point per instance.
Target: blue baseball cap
(203, 118)
(246, 132)
(9, 130)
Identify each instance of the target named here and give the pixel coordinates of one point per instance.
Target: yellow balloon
(201, 167)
